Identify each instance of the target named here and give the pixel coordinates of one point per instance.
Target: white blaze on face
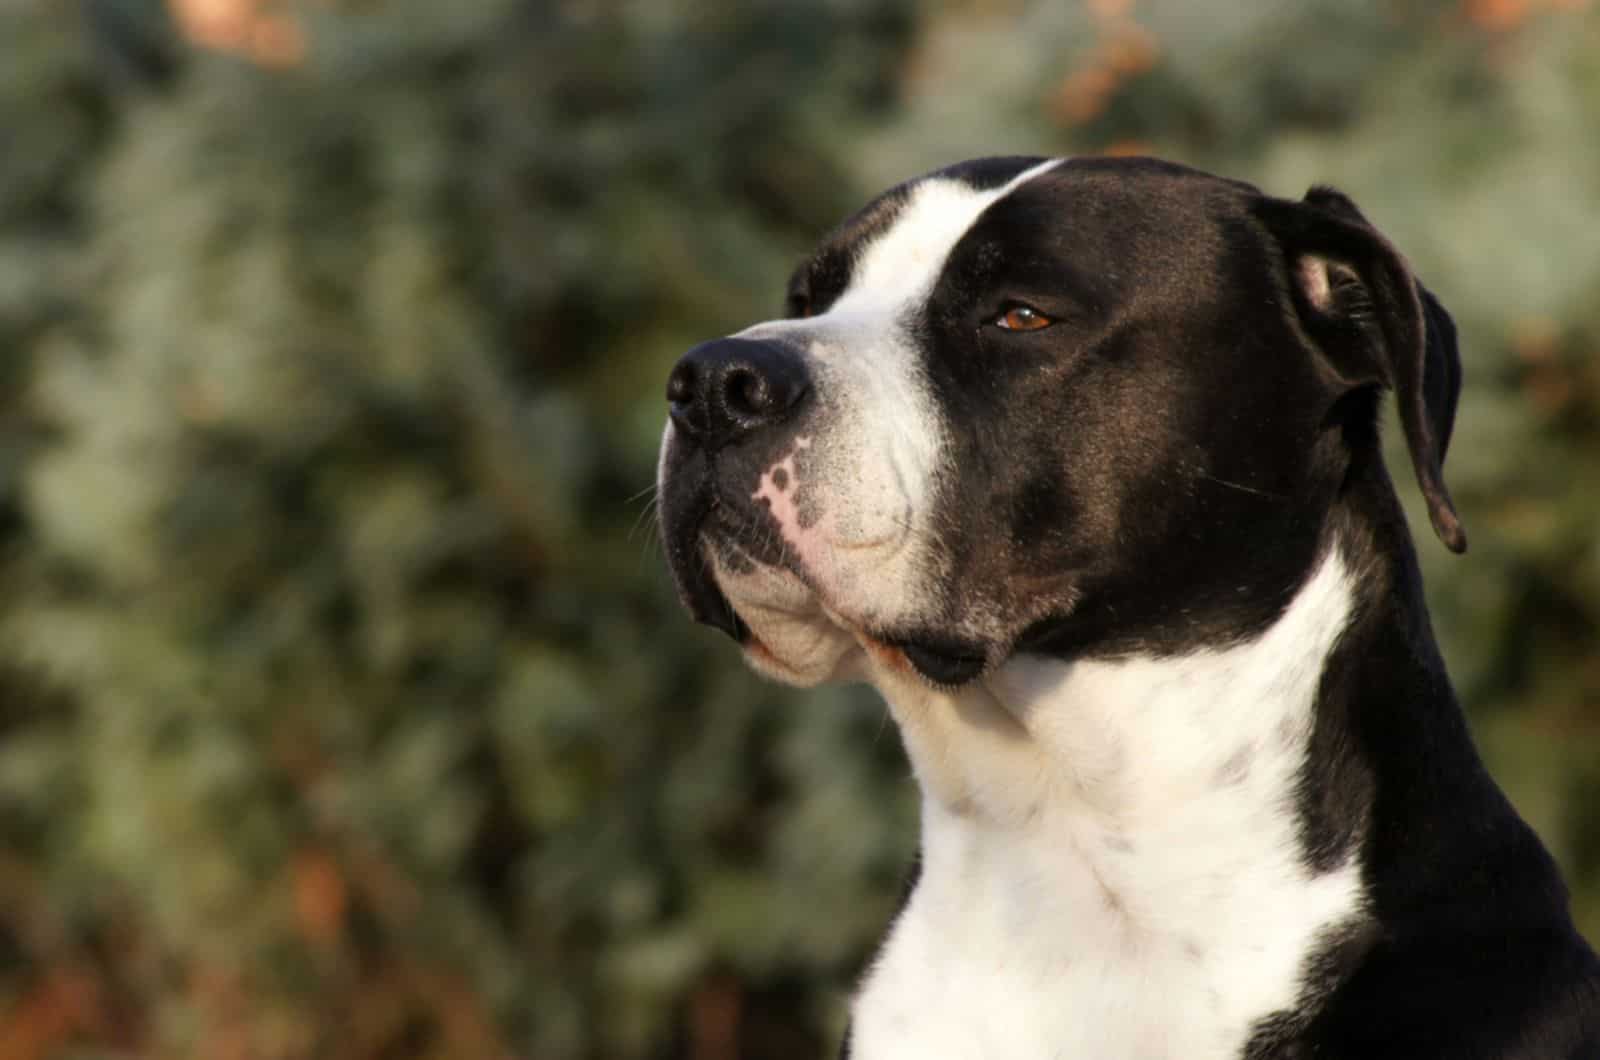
(871, 472)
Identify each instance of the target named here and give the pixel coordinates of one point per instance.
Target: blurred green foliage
(345, 709)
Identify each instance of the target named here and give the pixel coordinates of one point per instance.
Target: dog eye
(1022, 318)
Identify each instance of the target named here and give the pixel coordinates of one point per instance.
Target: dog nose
(723, 390)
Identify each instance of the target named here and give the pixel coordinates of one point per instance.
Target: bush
(346, 708)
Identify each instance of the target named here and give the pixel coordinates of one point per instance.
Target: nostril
(680, 384)
(747, 392)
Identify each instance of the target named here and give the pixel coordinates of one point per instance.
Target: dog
(1077, 462)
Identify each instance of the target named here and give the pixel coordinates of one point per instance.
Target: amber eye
(1022, 318)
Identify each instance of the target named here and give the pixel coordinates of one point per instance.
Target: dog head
(1073, 407)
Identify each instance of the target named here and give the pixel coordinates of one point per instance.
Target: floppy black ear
(1345, 273)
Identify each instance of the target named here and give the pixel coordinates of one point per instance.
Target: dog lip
(941, 660)
(683, 537)
(720, 615)
(709, 605)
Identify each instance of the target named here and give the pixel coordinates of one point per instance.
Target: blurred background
(345, 708)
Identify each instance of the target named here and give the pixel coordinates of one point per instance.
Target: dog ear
(1353, 286)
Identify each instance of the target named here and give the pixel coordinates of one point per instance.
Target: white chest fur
(1110, 857)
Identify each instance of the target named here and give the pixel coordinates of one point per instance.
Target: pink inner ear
(1312, 273)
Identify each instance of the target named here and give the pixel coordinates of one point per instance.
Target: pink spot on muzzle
(777, 489)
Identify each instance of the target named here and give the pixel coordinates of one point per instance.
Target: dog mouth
(739, 577)
(942, 661)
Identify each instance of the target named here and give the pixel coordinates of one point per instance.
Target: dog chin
(792, 638)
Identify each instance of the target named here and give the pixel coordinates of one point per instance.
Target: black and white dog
(1077, 462)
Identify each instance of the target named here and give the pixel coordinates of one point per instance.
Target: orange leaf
(320, 897)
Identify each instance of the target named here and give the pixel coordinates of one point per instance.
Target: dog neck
(1130, 826)
(1130, 741)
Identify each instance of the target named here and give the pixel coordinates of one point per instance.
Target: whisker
(654, 551)
(904, 524)
(1243, 488)
(649, 515)
(883, 726)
